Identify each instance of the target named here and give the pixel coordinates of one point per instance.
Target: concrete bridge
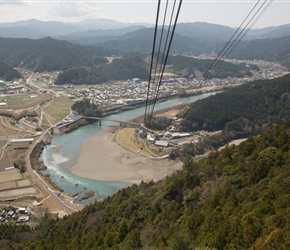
(100, 119)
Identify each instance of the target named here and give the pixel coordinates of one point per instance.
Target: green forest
(236, 198)
(188, 66)
(238, 113)
(7, 73)
(84, 107)
(134, 66)
(246, 109)
(274, 49)
(124, 68)
(48, 54)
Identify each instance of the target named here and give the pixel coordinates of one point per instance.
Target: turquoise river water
(64, 150)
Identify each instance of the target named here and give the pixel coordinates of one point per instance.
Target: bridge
(112, 120)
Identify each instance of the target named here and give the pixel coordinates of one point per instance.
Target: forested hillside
(246, 108)
(238, 113)
(238, 198)
(48, 54)
(190, 67)
(274, 49)
(7, 73)
(84, 107)
(134, 66)
(124, 68)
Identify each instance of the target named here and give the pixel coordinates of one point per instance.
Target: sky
(224, 12)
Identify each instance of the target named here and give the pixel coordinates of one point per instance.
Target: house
(142, 133)
(22, 210)
(10, 213)
(23, 218)
(150, 138)
(14, 217)
(161, 143)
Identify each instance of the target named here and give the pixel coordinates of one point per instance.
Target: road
(40, 182)
(38, 179)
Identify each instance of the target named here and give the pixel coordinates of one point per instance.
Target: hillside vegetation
(187, 66)
(124, 68)
(247, 107)
(238, 198)
(48, 54)
(238, 113)
(274, 49)
(7, 73)
(134, 66)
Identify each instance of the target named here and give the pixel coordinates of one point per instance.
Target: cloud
(13, 2)
(75, 10)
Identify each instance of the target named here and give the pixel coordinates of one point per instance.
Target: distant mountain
(104, 27)
(189, 39)
(21, 32)
(55, 28)
(270, 49)
(270, 32)
(92, 36)
(141, 41)
(275, 49)
(107, 32)
(50, 28)
(7, 73)
(48, 54)
(102, 23)
(205, 30)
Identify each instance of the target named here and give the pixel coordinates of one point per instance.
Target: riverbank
(101, 158)
(89, 158)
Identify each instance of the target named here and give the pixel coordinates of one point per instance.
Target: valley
(49, 104)
(205, 166)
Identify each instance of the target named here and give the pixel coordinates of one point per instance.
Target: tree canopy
(84, 107)
(7, 73)
(235, 198)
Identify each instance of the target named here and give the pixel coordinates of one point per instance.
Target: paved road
(40, 181)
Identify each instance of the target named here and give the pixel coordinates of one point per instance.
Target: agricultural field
(42, 80)
(127, 139)
(58, 109)
(19, 99)
(11, 153)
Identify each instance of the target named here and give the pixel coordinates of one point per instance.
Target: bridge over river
(113, 120)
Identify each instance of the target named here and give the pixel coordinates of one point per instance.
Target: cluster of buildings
(20, 214)
(135, 90)
(11, 87)
(169, 138)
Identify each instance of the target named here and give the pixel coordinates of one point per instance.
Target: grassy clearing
(18, 100)
(127, 140)
(40, 84)
(59, 108)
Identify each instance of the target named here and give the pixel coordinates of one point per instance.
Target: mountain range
(36, 29)
(46, 46)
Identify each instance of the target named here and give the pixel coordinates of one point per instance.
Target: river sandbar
(102, 159)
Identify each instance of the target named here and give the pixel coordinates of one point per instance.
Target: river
(64, 150)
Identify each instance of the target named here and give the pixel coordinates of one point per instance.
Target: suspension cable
(164, 64)
(152, 55)
(242, 33)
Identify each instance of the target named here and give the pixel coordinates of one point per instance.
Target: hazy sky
(230, 13)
